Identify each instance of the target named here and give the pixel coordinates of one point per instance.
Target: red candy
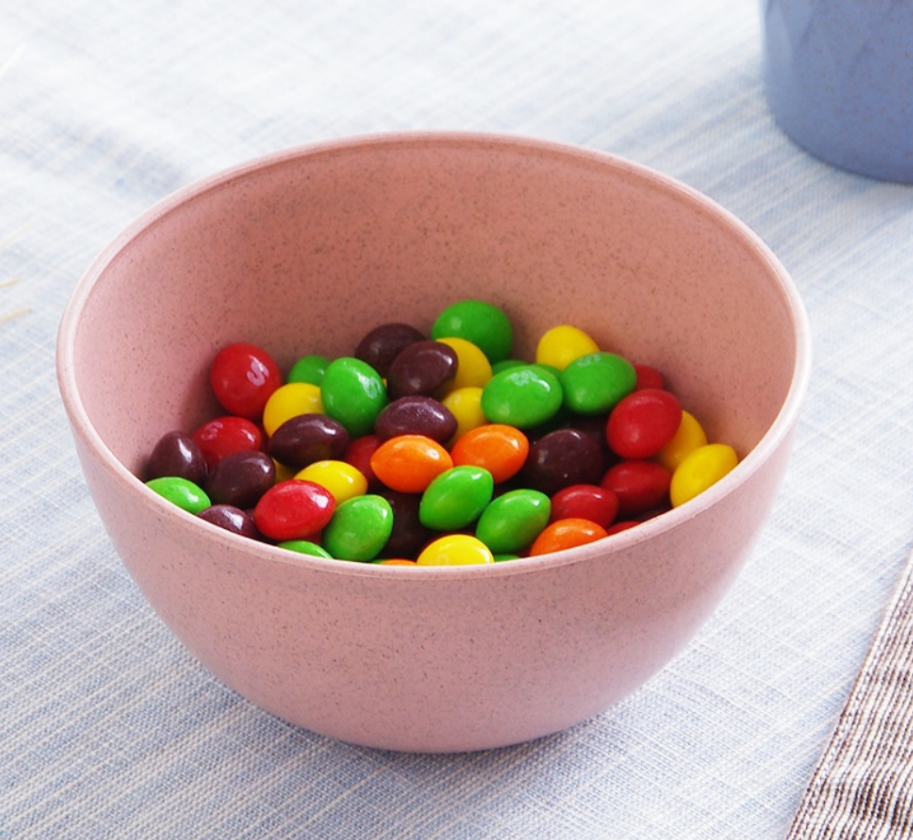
(225, 436)
(585, 501)
(640, 486)
(623, 525)
(293, 510)
(643, 423)
(242, 377)
(648, 377)
(359, 453)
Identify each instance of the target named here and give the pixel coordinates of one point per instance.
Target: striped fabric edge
(862, 787)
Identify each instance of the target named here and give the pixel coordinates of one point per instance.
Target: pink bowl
(302, 252)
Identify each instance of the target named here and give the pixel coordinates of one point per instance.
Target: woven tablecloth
(109, 728)
(863, 785)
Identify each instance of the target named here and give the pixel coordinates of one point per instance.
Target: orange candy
(566, 533)
(409, 463)
(496, 447)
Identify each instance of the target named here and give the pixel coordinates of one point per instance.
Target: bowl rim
(772, 438)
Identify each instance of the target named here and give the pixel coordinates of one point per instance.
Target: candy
(409, 463)
(523, 396)
(456, 498)
(232, 519)
(441, 450)
(416, 415)
(359, 454)
(307, 438)
(354, 394)
(640, 486)
(384, 343)
(596, 382)
(341, 478)
(225, 436)
(648, 377)
(291, 400)
(560, 345)
(497, 367)
(623, 525)
(241, 479)
(306, 547)
(592, 425)
(181, 492)
(566, 533)
(425, 367)
(479, 322)
(455, 550)
(465, 404)
(359, 528)
(500, 449)
(689, 436)
(512, 521)
(473, 368)
(177, 454)
(283, 473)
(562, 458)
(643, 423)
(585, 501)
(293, 510)
(699, 470)
(310, 369)
(408, 534)
(243, 376)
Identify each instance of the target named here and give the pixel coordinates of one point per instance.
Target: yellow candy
(288, 401)
(473, 367)
(283, 473)
(455, 550)
(690, 436)
(702, 468)
(466, 405)
(560, 345)
(339, 477)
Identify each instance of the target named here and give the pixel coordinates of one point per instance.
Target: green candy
(306, 547)
(359, 529)
(309, 369)
(181, 492)
(513, 521)
(354, 394)
(456, 498)
(480, 322)
(596, 382)
(523, 396)
(504, 364)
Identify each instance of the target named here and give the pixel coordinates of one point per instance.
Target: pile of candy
(438, 449)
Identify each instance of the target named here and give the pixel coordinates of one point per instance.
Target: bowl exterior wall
(430, 662)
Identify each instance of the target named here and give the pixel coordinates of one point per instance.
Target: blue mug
(839, 81)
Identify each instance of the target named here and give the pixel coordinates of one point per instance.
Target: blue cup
(839, 81)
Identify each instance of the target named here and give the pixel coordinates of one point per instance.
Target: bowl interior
(304, 252)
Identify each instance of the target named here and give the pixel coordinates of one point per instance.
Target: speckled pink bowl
(302, 252)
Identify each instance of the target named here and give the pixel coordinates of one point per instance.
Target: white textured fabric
(108, 727)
